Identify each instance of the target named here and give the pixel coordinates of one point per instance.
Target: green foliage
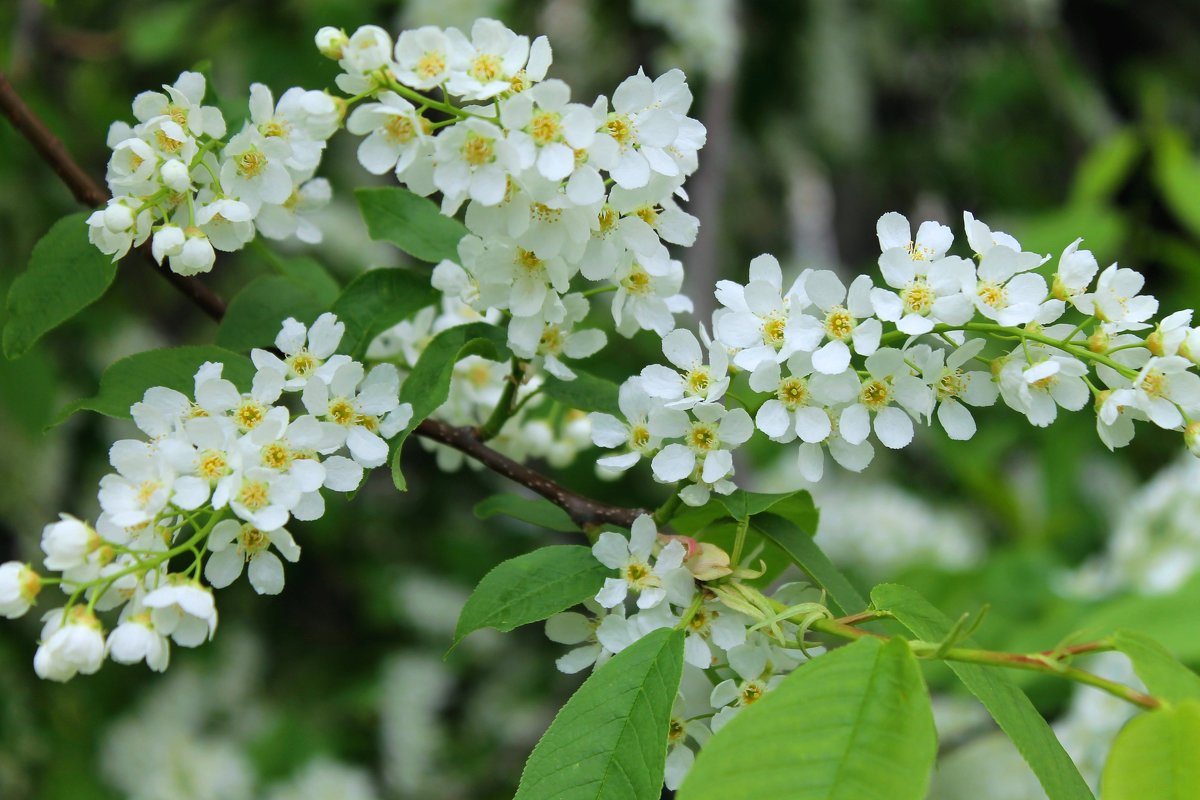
(534, 510)
(412, 223)
(532, 587)
(255, 314)
(842, 598)
(609, 741)
(1155, 756)
(124, 383)
(428, 385)
(66, 274)
(1007, 704)
(1163, 675)
(855, 723)
(375, 301)
(587, 392)
(1177, 173)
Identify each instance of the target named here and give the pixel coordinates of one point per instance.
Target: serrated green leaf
(534, 510)
(377, 300)
(1164, 676)
(852, 724)
(1155, 756)
(842, 597)
(587, 392)
(428, 385)
(124, 383)
(532, 587)
(257, 312)
(412, 223)
(66, 274)
(1007, 704)
(609, 742)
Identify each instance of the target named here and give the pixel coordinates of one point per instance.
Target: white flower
(708, 443)
(1170, 336)
(515, 278)
(953, 386)
(552, 126)
(227, 222)
(1076, 268)
(67, 543)
(897, 245)
(760, 669)
(255, 170)
(797, 408)
(573, 628)
(552, 341)
(1037, 388)
(1163, 386)
(195, 255)
(119, 226)
(305, 350)
(136, 639)
(19, 587)
(395, 133)
(698, 382)
(982, 239)
(473, 159)
(234, 543)
(889, 381)
(182, 104)
(1116, 301)
(143, 485)
(680, 756)
(368, 49)
(69, 647)
(641, 432)
(260, 496)
(841, 323)
(183, 610)
(763, 321)
(292, 217)
(485, 66)
(302, 122)
(713, 625)
(1002, 291)
(366, 415)
(133, 166)
(645, 124)
(646, 301)
(667, 579)
(929, 284)
(423, 57)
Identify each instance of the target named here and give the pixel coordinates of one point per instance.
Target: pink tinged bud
(692, 546)
(709, 564)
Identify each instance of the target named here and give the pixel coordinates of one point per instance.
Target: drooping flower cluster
(178, 181)
(825, 371)
(554, 190)
(739, 643)
(218, 477)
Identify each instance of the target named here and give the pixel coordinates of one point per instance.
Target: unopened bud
(175, 175)
(1154, 343)
(330, 42)
(710, 563)
(1098, 341)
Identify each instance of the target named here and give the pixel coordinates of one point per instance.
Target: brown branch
(90, 193)
(582, 510)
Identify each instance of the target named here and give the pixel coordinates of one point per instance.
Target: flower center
(639, 575)
(544, 127)
(551, 341)
(478, 150)
(792, 392)
(166, 143)
(274, 128)
(342, 412)
(620, 128)
(918, 253)
(697, 380)
(302, 363)
(544, 213)
(178, 114)
(993, 296)
(637, 281)
(607, 219)
(212, 464)
(703, 437)
(751, 692)
(675, 731)
(249, 414)
(251, 163)
(639, 437)
(399, 130)
(252, 539)
(432, 64)
(276, 456)
(917, 298)
(773, 331)
(146, 491)
(485, 68)
(648, 215)
(529, 262)
(839, 324)
(254, 495)
(952, 384)
(875, 394)
(1154, 383)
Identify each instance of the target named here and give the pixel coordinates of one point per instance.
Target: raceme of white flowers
(208, 492)
(564, 202)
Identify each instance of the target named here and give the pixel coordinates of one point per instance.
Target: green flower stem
(1049, 662)
(739, 540)
(504, 407)
(421, 99)
(595, 290)
(667, 510)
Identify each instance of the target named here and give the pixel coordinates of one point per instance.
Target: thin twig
(584, 511)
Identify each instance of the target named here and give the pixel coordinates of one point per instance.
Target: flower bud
(330, 42)
(167, 241)
(710, 563)
(196, 255)
(118, 217)
(67, 543)
(1191, 437)
(19, 586)
(1098, 342)
(175, 176)
(70, 648)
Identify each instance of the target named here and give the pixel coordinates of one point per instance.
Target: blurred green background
(1049, 119)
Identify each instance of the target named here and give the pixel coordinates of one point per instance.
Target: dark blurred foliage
(1050, 120)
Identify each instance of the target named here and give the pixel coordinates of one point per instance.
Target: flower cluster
(828, 366)
(739, 643)
(177, 180)
(553, 190)
(218, 477)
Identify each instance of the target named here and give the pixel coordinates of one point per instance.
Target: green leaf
(310, 273)
(257, 312)
(609, 742)
(412, 223)
(428, 385)
(378, 299)
(1106, 167)
(532, 587)
(1177, 174)
(803, 551)
(66, 274)
(1007, 704)
(854, 723)
(124, 383)
(587, 392)
(796, 507)
(534, 510)
(1162, 673)
(1155, 756)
